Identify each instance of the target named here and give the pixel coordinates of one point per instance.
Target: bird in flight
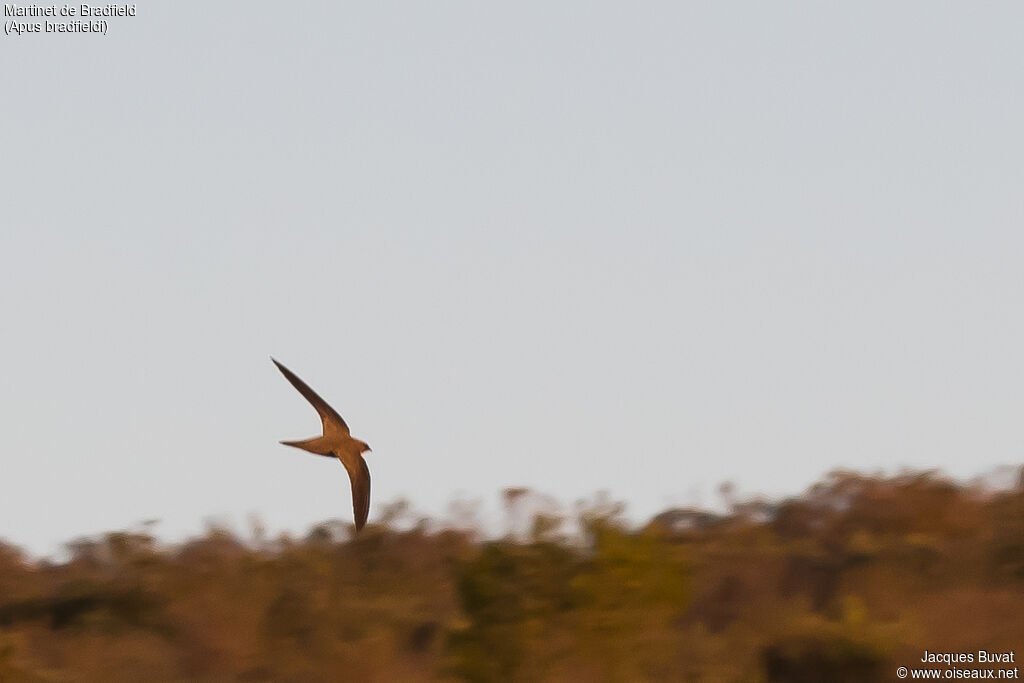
(336, 441)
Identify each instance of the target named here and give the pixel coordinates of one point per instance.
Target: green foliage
(530, 606)
(850, 650)
(510, 593)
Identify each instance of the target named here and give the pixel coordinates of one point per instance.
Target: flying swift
(337, 442)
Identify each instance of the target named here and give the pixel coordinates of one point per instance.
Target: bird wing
(328, 415)
(359, 474)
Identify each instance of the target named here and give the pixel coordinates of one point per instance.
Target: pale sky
(579, 246)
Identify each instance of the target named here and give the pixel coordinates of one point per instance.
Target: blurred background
(686, 339)
(857, 576)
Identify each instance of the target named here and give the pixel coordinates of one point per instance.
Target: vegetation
(845, 583)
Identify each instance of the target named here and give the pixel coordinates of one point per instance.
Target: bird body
(338, 442)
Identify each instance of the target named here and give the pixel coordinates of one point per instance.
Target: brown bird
(336, 441)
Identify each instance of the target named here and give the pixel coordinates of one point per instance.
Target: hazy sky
(576, 246)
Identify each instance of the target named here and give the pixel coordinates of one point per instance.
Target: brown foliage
(857, 577)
